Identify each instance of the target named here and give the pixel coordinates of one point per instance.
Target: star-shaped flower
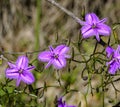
(56, 57)
(114, 64)
(93, 26)
(60, 103)
(20, 71)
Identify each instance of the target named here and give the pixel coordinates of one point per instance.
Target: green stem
(86, 101)
(37, 25)
(89, 86)
(103, 105)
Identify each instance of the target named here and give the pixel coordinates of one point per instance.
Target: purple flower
(20, 71)
(110, 51)
(93, 26)
(60, 103)
(56, 57)
(114, 64)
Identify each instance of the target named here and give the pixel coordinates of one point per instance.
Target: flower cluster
(57, 56)
(92, 26)
(21, 71)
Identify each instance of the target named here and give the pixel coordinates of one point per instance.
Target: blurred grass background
(30, 25)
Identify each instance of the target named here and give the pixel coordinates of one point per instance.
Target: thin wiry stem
(103, 91)
(19, 53)
(53, 2)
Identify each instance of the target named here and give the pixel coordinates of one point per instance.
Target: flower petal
(91, 18)
(30, 68)
(117, 52)
(103, 29)
(59, 63)
(18, 81)
(113, 68)
(110, 51)
(12, 73)
(85, 28)
(61, 49)
(89, 33)
(11, 65)
(71, 106)
(51, 49)
(49, 63)
(44, 56)
(22, 62)
(97, 35)
(63, 104)
(27, 77)
(103, 20)
(67, 56)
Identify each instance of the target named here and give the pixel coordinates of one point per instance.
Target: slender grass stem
(102, 80)
(53, 2)
(37, 25)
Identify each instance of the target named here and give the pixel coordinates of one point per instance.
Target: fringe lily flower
(20, 71)
(56, 57)
(114, 64)
(60, 103)
(93, 26)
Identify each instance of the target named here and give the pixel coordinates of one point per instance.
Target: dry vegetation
(17, 33)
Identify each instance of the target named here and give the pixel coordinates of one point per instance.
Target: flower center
(20, 71)
(93, 26)
(55, 56)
